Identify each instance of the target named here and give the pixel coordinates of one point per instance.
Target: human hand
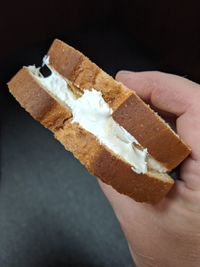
(167, 234)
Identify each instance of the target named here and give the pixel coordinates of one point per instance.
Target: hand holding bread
(112, 132)
(167, 234)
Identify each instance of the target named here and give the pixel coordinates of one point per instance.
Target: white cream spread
(45, 60)
(93, 114)
(153, 164)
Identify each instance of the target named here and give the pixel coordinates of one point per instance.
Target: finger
(167, 92)
(122, 204)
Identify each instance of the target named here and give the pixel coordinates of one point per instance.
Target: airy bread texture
(128, 110)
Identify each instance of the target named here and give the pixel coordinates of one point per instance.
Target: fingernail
(122, 73)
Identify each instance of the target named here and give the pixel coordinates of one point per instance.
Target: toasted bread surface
(97, 158)
(102, 163)
(128, 109)
(40, 104)
(151, 131)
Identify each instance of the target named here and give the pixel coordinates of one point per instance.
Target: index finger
(167, 92)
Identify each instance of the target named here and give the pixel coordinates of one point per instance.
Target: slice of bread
(128, 109)
(97, 158)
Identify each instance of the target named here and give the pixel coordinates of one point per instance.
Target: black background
(52, 212)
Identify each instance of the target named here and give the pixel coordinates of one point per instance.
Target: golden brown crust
(66, 67)
(77, 68)
(129, 110)
(147, 187)
(95, 157)
(30, 94)
(146, 126)
(105, 165)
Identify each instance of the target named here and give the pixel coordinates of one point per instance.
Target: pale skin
(167, 234)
